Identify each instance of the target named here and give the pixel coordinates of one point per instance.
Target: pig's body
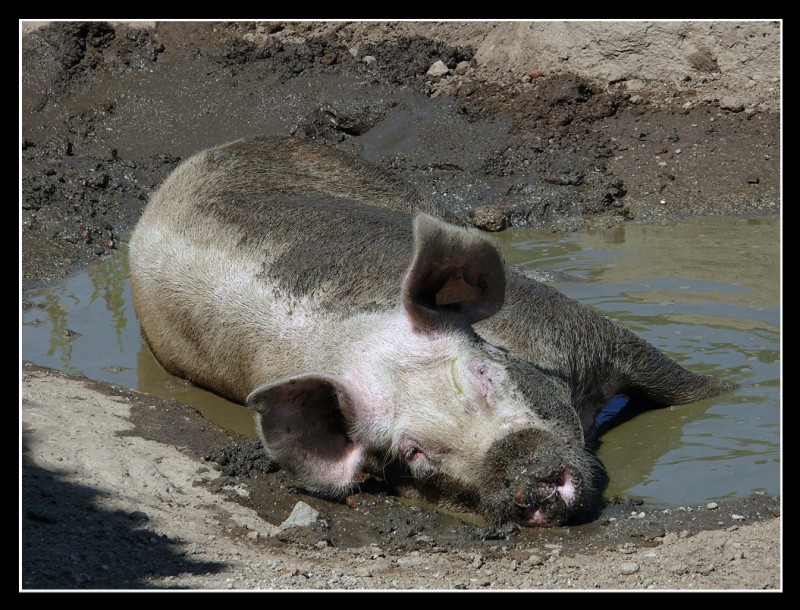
(279, 273)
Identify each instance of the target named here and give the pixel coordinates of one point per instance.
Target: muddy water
(704, 291)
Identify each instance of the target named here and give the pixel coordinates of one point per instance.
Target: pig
(370, 333)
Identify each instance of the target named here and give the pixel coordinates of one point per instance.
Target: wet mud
(108, 111)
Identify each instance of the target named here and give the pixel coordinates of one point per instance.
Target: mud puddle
(705, 291)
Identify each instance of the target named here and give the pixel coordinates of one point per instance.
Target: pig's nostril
(551, 494)
(521, 497)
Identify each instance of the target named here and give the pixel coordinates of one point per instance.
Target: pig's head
(425, 402)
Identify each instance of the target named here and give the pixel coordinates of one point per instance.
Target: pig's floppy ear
(302, 423)
(453, 270)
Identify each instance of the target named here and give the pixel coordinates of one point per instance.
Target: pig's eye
(413, 453)
(416, 458)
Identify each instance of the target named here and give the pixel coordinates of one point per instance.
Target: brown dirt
(121, 490)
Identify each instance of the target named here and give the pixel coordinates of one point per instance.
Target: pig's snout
(546, 500)
(535, 480)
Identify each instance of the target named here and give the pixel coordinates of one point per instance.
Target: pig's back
(250, 247)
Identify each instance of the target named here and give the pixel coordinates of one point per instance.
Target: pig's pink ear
(453, 269)
(302, 422)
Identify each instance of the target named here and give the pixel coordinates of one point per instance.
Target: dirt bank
(118, 492)
(563, 126)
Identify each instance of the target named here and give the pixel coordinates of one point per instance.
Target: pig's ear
(453, 269)
(302, 422)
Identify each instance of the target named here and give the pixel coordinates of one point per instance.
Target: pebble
(423, 539)
(629, 567)
(738, 517)
(369, 59)
(731, 103)
(438, 69)
(488, 218)
(654, 533)
(535, 73)
(302, 515)
(461, 67)
(711, 505)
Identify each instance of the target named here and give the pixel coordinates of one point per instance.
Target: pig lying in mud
(370, 336)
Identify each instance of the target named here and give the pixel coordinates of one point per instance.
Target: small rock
(629, 567)
(461, 67)
(663, 150)
(534, 560)
(253, 535)
(369, 59)
(322, 544)
(488, 218)
(753, 180)
(535, 73)
(654, 533)
(438, 69)
(712, 505)
(731, 104)
(363, 572)
(302, 516)
(423, 539)
(634, 84)
(738, 517)
(352, 501)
